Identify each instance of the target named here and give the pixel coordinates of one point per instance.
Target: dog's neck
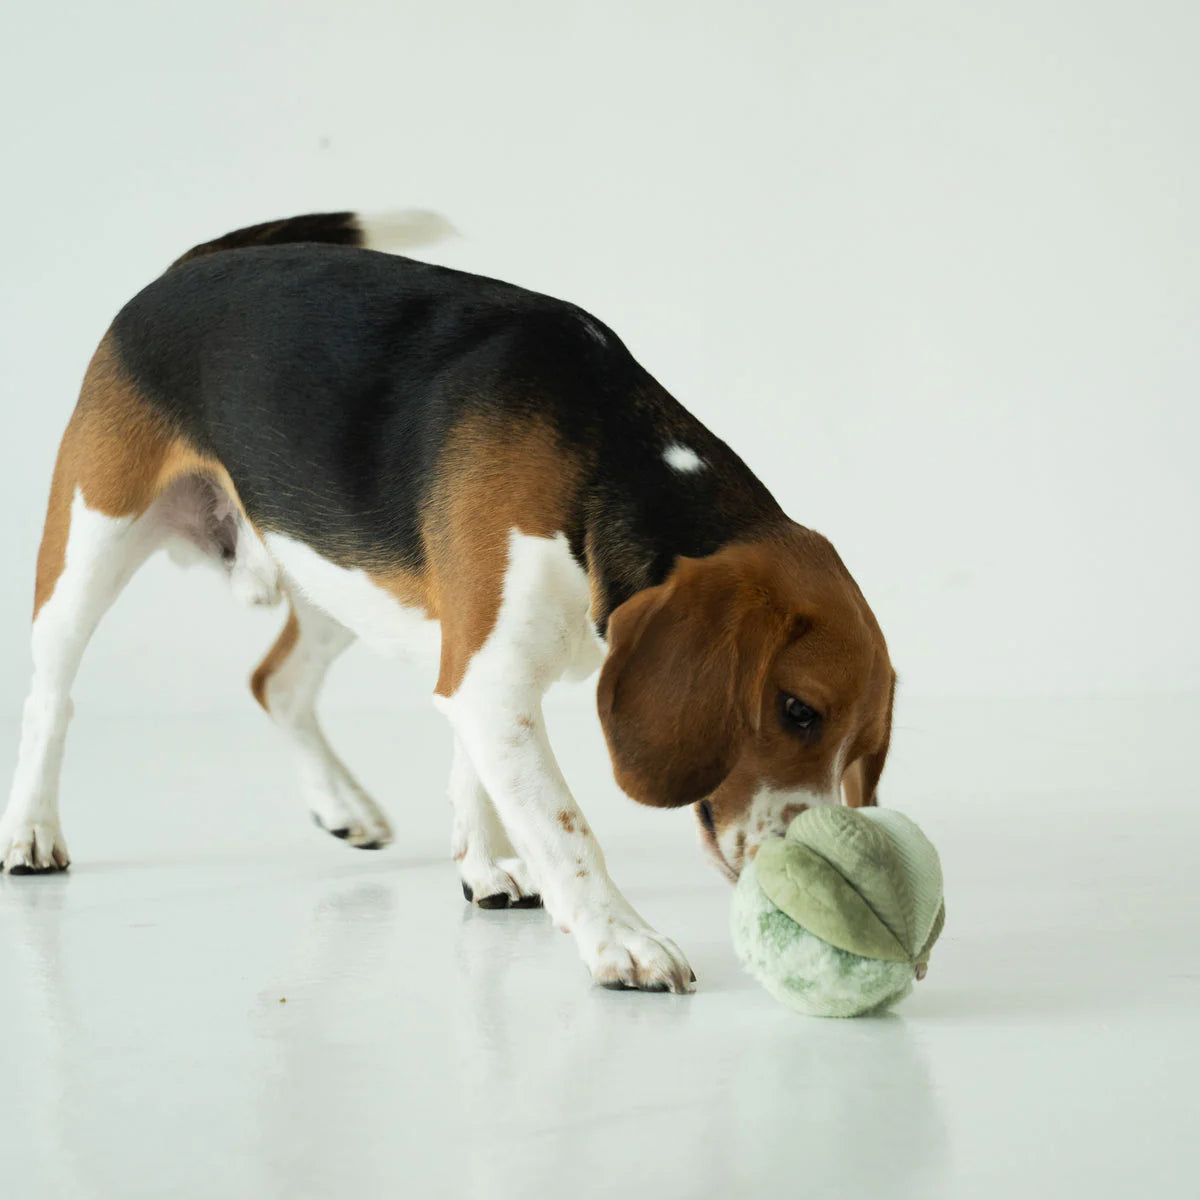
(653, 499)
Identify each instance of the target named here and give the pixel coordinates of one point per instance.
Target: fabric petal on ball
(804, 972)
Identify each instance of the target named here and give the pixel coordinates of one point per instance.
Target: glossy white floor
(219, 1000)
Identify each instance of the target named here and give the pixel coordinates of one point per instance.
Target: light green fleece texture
(834, 918)
(804, 972)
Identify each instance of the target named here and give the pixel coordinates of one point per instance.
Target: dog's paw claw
(504, 883)
(344, 810)
(373, 835)
(640, 960)
(32, 848)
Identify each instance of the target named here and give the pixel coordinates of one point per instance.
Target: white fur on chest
(352, 599)
(542, 631)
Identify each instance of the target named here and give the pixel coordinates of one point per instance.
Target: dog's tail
(394, 231)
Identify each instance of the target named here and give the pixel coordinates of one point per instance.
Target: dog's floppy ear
(682, 685)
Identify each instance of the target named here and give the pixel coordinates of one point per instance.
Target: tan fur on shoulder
(495, 478)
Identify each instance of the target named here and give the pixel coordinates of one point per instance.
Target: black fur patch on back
(326, 381)
(337, 229)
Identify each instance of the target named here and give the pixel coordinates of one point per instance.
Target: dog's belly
(567, 646)
(354, 600)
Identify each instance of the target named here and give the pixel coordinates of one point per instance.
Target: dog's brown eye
(798, 715)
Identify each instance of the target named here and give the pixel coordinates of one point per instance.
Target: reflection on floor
(220, 1000)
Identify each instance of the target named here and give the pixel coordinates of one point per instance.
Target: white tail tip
(405, 230)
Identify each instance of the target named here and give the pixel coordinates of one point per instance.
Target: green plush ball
(838, 917)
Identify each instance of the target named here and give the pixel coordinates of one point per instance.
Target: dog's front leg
(506, 739)
(491, 691)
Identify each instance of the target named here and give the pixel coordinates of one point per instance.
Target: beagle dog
(404, 452)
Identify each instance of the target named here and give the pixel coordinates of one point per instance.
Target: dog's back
(327, 381)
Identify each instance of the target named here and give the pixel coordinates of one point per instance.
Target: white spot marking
(683, 459)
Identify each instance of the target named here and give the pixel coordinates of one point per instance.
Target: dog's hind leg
(100, 527)
(286, 684)
(101, 553)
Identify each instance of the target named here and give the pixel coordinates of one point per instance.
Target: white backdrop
(931, 268)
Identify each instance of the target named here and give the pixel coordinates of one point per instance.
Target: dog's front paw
(32, 847)
(624, 956)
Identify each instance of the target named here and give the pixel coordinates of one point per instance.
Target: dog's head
(750, 684)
